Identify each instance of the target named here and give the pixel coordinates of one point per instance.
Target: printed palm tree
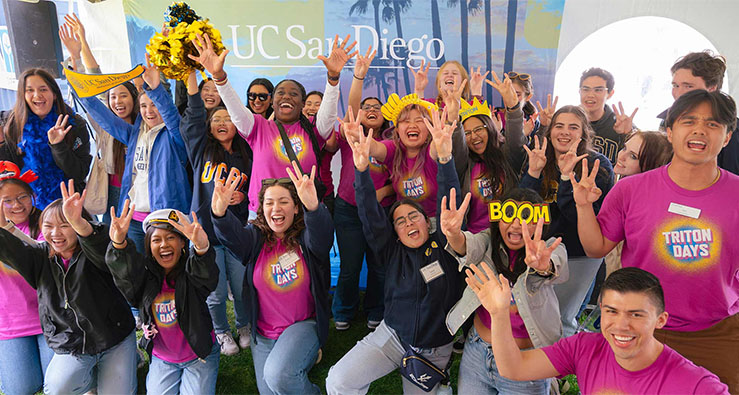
(392, 11)
(488, 45)
(466, 7)
(436, 31)
(374, 75)
(510, 37)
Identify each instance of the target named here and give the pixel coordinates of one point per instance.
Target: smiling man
(679, 222)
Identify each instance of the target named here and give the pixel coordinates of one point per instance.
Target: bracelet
(545, 273)
(330, 78)
(445, 159)
(115, 243)
(360, 79)
(216, 80)
(514, 107)
(564, 177)
(221, 82)
(201, 250)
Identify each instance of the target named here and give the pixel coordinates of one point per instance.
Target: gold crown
(395, 105)
(466, 110)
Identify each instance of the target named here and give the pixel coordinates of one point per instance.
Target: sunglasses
(276, 181)
(260, 96)
(521, 76)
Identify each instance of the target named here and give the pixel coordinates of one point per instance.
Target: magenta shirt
(326, 175)
(18, 318)
(517, 325)
(695, 259)
(378, 172)
(170, 343)
(420, 186)
(478, 216)
(282, 281)
(270, 156)
(590, 357)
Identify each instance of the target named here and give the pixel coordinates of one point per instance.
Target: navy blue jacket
(414, 309)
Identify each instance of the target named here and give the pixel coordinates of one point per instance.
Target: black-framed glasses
(255, 96)
(22, 199)
(370, 107)
(413, 217)
(276, 181)
(480, 130)
(520, 76)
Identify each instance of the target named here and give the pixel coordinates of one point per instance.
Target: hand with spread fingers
(505, 88)
(193, 231)
(537, 157)
(624, 123)
(305, 185)
(441, 132)
(420, 78)
(223, 192)
(59, 131)
(338, 57)
(546, 114)
(476, 80)
(493, 293)
(73, 206)
(119, 225)
(538, 255)
(75, 25)
(586, 191)
(362, 64)
(451, 217)
(207, 57)
(151, 74)
(70, 41)
(569, 159)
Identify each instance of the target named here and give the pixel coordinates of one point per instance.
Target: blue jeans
(352, 248)
(114, 193)
(572, 293)
(112, 371)
(136, 233)
(23, 363)
(192, 377)
(231, 272)
(282, 365)
(478, 373)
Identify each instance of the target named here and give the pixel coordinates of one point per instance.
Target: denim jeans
(572, 293)
(136, 233)
(112, 371)
(23, 363)
(231, 272)
(375, 356)
(352, 248)
(114, 193)
(282, 365)
(192, 377)
(478, 373)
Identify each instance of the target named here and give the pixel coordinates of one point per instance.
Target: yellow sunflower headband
(395, 105)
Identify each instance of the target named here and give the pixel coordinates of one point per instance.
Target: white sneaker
(244, 337)
(228, 345)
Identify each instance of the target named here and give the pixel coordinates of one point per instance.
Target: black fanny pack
(420, 371)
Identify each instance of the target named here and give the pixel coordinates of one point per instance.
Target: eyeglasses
(219, 119)
(520, 76)
(21, 199)
(413, 217)
(597, 89)
(276, 181)
(255, 96)
(479, 131)
(371, 107)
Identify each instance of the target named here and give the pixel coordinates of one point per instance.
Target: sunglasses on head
(276, 181)
(260, 96)
(521, 76)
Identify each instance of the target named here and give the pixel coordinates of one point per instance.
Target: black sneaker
(341, 325)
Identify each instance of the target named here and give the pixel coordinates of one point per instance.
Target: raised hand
(207, 56)
(529, 124)
(339, 56)
(451, 218)
(494, 294)
(358, 142)
(72, 206)
(305, 186)
(452, 101)
(586, 191)
(538, 255)
(476, 80)
(57, 133)
(119, 225)
(76, 25)
(3, 220)
(352, 126)
(569, 159)
(192, 230)
(546, 114)
(420, 77)
(223, 192)
(505, 89)
(151, 74)
(362, 64)
(70, 41)
(537, 157)
(441, 132)
(495, 117)
(624, 123)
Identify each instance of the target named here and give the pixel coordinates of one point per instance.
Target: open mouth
(564, 141)
(515, 237)
(623, 341)
(589, 102)
(209, 101)
(286, 108)
(223, 131)
(371, 116)
(120, 110)
(413, 234)
(412, 135)
(449, 82)
(58, 244)
(696, 145)
(278, 220)
(311, 113)
(166, 255)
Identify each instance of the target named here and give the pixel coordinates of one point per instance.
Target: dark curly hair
(293, 232)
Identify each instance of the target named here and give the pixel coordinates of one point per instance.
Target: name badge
(685, 211)
(288, 260)
(432, 272)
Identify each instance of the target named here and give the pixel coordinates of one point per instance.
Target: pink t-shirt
(378, 172)
(695, 259)
(139, 216)
(326, 176)
(270, 156)
(170, 343)
(589, 356)
(517, 325)
(478, 216)
(421, 186)
(114, 180)
(282, 281)
(19, 306)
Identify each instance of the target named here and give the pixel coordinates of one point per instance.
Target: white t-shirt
(139, 192)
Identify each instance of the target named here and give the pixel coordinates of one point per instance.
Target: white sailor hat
(160, 219)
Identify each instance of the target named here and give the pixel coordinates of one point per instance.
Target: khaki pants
(715, 348)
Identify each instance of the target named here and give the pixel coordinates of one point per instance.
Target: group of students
(418, 176)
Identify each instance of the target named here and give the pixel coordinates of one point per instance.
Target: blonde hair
(466, 92)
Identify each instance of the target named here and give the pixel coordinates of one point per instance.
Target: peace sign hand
(420, 77)
(352, 126)
(505, 89)
(538, 255)
(452, 101)
(586, 191)
(151, 74)
(529, 124)
(305, 186)
(119, 225)
(192, 230)
(476, 80)
(207, 56)
(57, 133)
(358, 142)
(73, 204)
(451, 218)
(441, 132)
(537, 157)
(624, 124)
(546, 114)
(568, 161)
(494, 294)
(223, 191)
(338, 56)
(362, 64)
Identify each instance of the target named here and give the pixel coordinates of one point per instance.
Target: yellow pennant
(87, 85)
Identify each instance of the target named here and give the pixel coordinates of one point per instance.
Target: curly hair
(705, 65)
(293, 232)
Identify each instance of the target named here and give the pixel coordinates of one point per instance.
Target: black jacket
(414, 309)
(140, 280)
(315, 243)
(81, 311)
(606, 141)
